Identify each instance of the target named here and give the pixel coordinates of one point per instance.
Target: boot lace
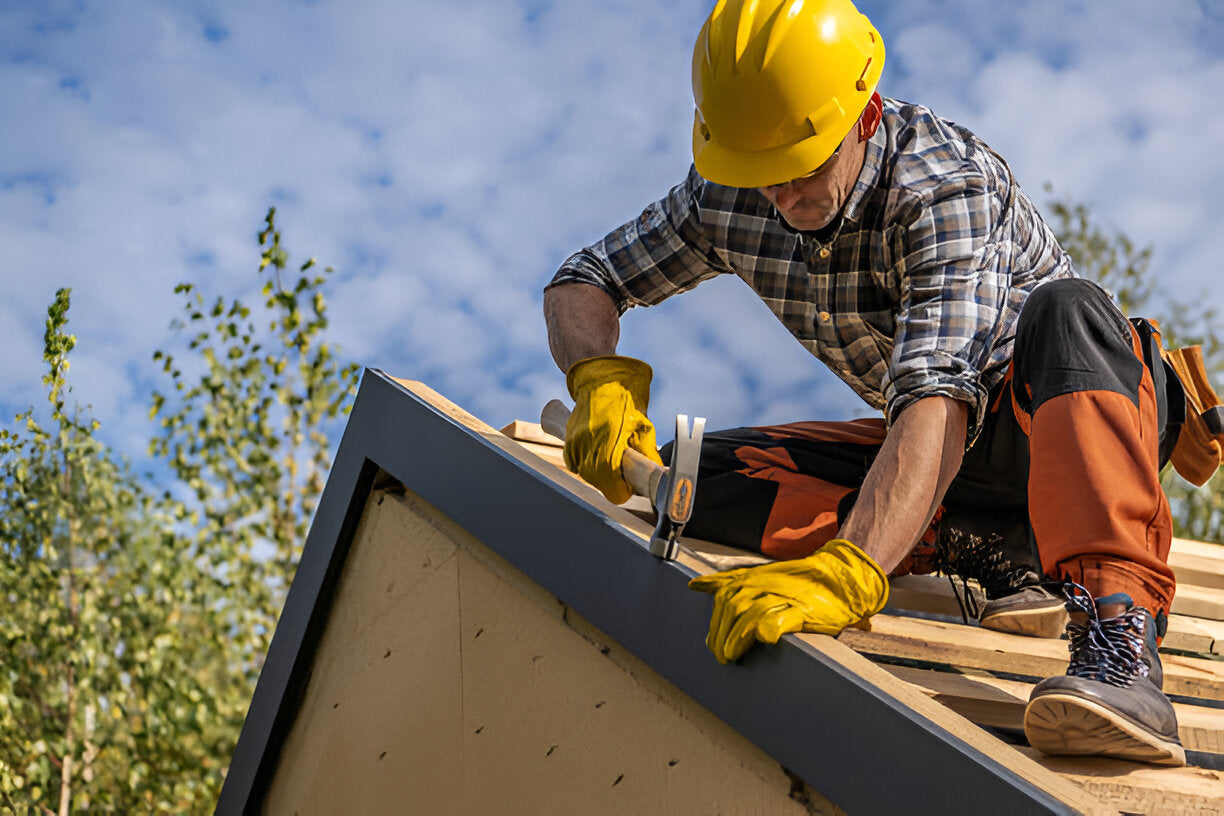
(1110, 650)
(964, 556)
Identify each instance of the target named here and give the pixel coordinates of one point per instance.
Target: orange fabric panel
(1095, 501)
(804, 513)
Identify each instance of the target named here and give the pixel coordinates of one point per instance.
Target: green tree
(102, 620)
(136, 618)
(248, 433)
(1113, 260)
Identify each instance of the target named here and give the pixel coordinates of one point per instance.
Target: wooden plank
(1203, 549)
(1215, 629)
(522, 431)
(930, 594)
(957, 645)
(999, 703)
(1197, 570)
(1187, 635)
(1130, 787)
(1198, 602)
(985, 700)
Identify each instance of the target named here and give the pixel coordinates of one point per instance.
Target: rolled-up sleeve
(954, 288)
(662, 252)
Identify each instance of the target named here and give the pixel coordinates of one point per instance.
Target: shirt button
(824, 252)
(824, 317)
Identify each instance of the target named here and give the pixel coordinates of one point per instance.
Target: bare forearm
(905, 485)
(582, 322)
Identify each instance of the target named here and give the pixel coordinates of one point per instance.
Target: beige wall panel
(363, 742)
(551, 725)
(495, 699)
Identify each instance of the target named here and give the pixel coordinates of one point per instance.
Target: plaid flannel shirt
(916, 292)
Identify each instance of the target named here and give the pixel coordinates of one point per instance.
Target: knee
(1072, 337)
(1062, 301)
(1073, 304)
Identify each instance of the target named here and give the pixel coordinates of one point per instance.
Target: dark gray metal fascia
(282, 679)
(857, 745)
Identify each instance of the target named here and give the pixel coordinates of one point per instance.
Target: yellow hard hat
(778, 85)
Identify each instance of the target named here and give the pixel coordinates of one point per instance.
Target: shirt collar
(869, 176)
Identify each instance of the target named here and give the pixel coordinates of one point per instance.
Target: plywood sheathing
(448, 683)
(1132, 788)
(999, 702)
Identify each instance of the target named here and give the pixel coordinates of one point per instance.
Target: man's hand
(831, 589)
(611, 395)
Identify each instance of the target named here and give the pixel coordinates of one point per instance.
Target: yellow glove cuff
(870, 576)
(610, 398)
(633, 374)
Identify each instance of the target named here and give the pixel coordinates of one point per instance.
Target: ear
(870, 120)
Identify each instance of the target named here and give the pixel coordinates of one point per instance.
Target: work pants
(1066, 465)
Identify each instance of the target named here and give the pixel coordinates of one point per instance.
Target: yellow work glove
(610, 398)
(834, 587)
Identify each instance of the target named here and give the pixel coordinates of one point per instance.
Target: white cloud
(1114, 104)
(446, 157)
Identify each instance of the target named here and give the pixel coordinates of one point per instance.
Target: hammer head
(673, 499)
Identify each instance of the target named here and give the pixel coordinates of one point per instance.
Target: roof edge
(796, 701)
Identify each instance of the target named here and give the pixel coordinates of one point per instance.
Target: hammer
(670, 489)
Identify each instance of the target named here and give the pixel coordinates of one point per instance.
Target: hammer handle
(642, 474)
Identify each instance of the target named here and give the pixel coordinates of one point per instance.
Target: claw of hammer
(670, 489)
(673, 500)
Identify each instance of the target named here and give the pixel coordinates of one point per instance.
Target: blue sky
(446, 157)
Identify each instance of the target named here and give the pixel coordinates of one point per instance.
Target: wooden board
(999, 703)
(531, 432)
(1131, 788)
(957, 645)
(929, 594)
(1197, 570)
(1199, 602)
(1202, 549)
(1215, 629)
(933, 595)
(1188, 634)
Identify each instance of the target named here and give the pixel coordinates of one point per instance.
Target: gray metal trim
(854, 743)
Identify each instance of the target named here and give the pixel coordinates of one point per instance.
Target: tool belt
(1191, 415)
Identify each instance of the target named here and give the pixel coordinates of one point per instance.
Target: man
(1018, 409)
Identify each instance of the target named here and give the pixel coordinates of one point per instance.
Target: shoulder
(931, 159)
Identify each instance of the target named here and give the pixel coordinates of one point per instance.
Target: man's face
(813, 201)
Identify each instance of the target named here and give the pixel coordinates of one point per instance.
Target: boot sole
(1064, 724)
(1043, 622)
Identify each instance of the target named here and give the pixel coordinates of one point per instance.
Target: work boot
(1110, 703)
(1005, 567)
(1032, 610)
